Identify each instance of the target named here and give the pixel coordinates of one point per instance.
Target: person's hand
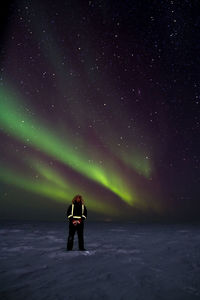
(79, 221)
(74, 222)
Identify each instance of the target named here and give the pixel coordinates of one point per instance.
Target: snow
(122, 261)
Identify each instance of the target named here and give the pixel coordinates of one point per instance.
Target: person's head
(78, 199)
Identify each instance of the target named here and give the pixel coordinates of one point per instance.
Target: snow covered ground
(123, 261)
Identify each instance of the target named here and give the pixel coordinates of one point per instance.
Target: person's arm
(84, 216)
(69, 211)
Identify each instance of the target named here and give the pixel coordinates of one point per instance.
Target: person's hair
(74, 199)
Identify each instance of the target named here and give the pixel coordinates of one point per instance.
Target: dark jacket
(79, 211)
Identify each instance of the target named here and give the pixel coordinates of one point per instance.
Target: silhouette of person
(77, 214)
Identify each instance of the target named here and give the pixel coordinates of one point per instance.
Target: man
(77, 214)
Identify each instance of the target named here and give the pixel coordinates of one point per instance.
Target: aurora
(16, 121)
(91, 105)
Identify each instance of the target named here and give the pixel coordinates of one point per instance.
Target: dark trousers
(72, 229)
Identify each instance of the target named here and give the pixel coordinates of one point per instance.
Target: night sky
(102, 99)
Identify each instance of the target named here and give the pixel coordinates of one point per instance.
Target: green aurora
(18, 122)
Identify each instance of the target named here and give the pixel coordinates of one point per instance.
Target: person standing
(77, 214)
